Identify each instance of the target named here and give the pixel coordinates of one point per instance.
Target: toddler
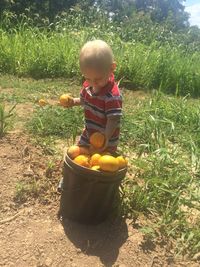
(100, 95)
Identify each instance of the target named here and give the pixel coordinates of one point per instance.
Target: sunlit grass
(42, 53)
(161, 137)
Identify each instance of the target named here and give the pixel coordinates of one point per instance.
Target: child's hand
(105, 145)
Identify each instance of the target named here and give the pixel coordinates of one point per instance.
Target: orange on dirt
(73, 151)
(94, 160)
(66, 100)
(97, 140)
(122, 162)
(108, 163)
(42, 102)
(82, 160)
(95, 168)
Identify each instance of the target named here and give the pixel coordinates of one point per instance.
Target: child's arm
(76, 101)
(112, 124)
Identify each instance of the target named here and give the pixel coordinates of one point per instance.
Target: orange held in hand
(97, 140)
(108, 163)
(66, 100)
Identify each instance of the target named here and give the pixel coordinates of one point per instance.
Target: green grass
(56, 121)
(26, 190)
(17, 90)
(164, 132)
(164, 121)
(5, 118)
(43, 53)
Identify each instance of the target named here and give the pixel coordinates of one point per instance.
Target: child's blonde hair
(97, 55)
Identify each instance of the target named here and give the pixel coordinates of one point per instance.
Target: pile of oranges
(86, 157)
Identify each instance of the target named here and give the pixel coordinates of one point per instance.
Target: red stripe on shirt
(89, 115)
(114, 104)
(95, 101)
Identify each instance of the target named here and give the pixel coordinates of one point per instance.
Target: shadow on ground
(103, 240)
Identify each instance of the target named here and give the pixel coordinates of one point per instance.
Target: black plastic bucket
(88, 196)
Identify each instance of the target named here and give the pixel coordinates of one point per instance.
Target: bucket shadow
(103, 240)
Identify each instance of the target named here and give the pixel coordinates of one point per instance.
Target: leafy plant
(5, 118)
(149, 56)
(164, 135)
(26, 189)
(56, 121)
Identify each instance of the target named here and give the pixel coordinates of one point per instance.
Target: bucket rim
(119, 172)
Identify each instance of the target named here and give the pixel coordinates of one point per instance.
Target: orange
(108, 163)
(66, 100)
(106, 153)
(122, 162)
(97, 140)
(82, 160)
(95, 159)
(74, 151)
(42, 102)
(95, 168)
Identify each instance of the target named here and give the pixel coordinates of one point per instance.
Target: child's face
(97, 79)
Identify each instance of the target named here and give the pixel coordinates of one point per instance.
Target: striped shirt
(98, 107)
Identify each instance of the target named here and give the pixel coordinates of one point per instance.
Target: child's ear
(113, 66)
